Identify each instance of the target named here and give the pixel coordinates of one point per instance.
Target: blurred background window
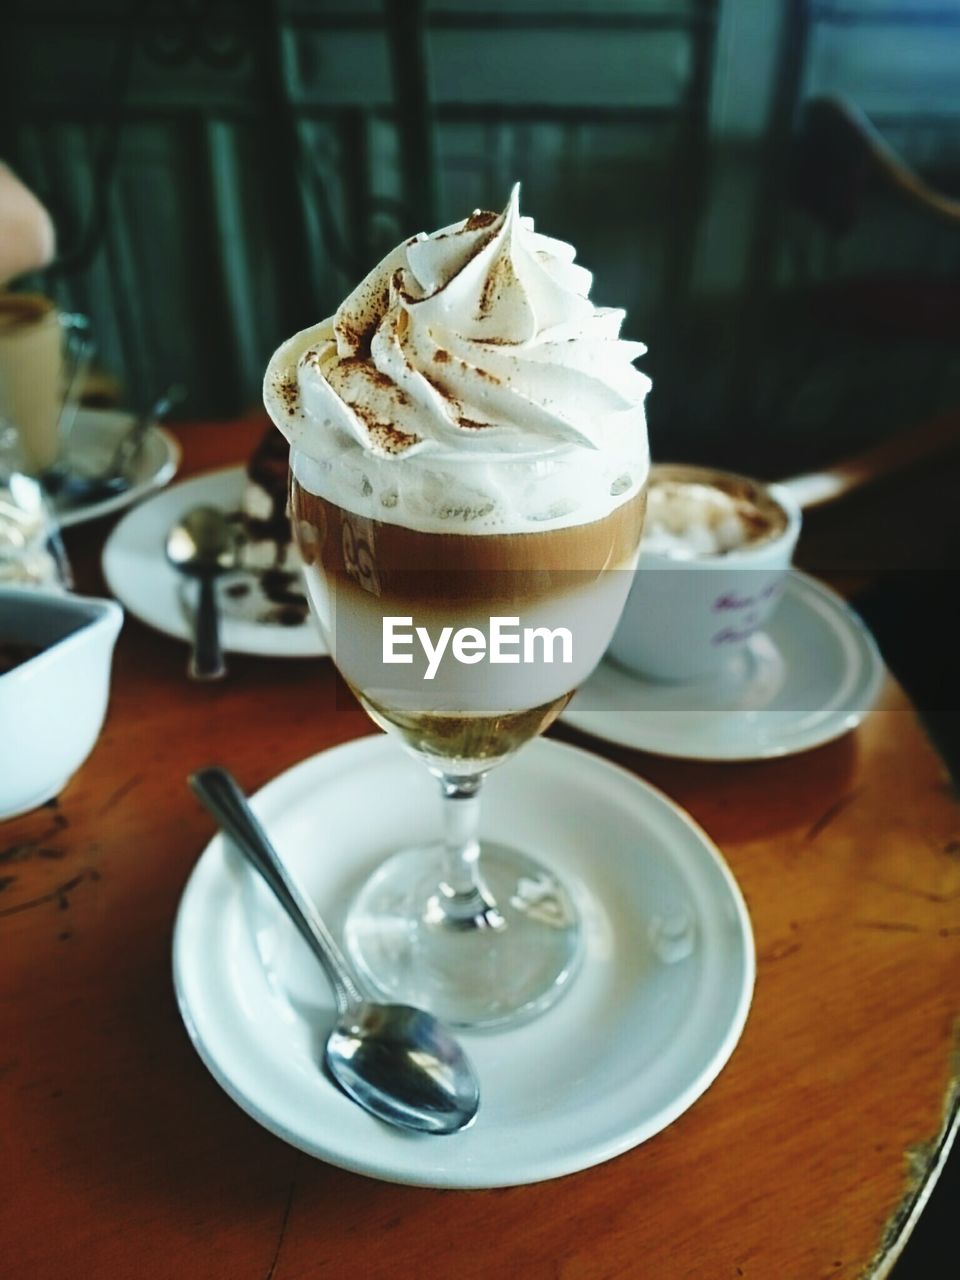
(222, 171)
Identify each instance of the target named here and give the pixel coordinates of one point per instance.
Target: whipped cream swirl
(479, 337)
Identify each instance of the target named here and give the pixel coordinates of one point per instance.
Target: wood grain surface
(122, 1158)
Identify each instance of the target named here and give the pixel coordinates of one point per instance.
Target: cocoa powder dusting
(487, 296)
(389, 439)
(755, 522)
(289, 394)
(399, 288)
(382, 381)
(360, 337)
(440, 390)
(480, 373)
(480, 218)
(384, 435)
(501, 276)
(359, 340)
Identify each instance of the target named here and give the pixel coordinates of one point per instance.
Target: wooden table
(807, 1157)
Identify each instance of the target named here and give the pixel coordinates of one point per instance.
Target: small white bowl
(53, 705)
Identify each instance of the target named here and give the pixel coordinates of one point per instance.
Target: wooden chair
(858, 339)
(841, 163)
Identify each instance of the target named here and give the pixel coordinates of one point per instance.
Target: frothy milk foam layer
(694, 512)
(432, 396)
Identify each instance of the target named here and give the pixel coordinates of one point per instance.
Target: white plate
(810, 677)
(652, 1017)
(91, 444)
(139, 575)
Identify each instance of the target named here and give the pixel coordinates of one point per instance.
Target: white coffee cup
(42, 354)
(690, 609)
(52, 705)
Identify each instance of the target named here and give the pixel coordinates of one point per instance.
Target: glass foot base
(510, 963)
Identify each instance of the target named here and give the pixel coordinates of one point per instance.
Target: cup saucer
(93, 440)
(655, 1012)
(811, 676)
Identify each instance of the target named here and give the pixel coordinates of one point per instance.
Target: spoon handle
(128, 450)
(206, 661)
(219, 792)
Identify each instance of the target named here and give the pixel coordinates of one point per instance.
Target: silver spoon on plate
(398, 1062)
(203, 544)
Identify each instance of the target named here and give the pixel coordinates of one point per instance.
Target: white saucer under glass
(812, 675)
(658, 1006)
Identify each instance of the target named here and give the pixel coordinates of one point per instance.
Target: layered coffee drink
(469, 445)
(468, 469)
(569, 580)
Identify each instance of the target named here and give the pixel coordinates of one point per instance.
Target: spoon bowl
(403, 1066)
(400, 1063)
(202, 542)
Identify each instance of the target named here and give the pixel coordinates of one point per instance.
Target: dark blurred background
(771, 188)
(222, 171)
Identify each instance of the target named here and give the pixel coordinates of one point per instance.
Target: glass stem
(463, 900)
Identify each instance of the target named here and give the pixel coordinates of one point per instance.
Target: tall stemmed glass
(467, 493)
(477, 932)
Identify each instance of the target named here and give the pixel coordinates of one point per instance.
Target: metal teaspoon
(398, 1062)
(203, 544)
